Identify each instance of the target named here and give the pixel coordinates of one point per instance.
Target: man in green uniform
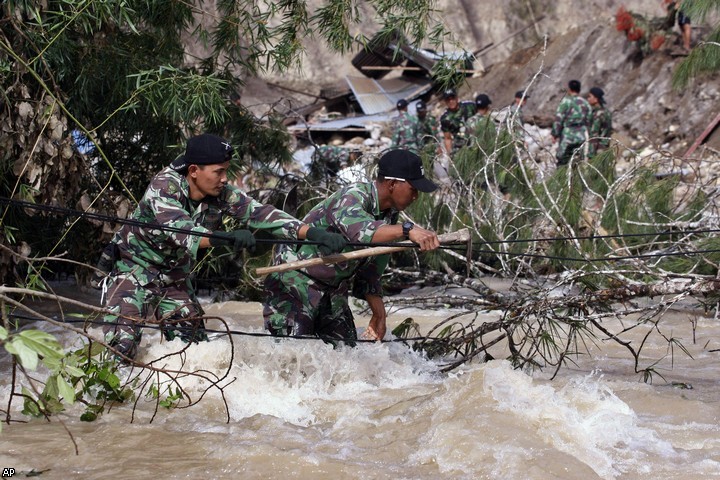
(327, 160)
(405, 128)
(452, 122)
(427, 125)
(481, 119)
(519, 102)
(600, 122)
(153, 257)
(570, 128)
(314, 300)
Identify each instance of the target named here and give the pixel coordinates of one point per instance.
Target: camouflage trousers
(298, 305)
(566, 151)
(571, 144)
(167, 305)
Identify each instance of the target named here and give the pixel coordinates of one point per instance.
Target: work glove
(329, 242)
(237, 239)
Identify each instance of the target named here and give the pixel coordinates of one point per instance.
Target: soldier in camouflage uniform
(570, 128)
(516, 110)
(327, 160)
(473, 124)
(427, 126)
(151, 278)
(600, 123)
(405, 128)
(314, 300)
(452, 122)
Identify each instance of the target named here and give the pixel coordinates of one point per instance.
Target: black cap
(404, 165)
(483, 101)
(598, 93)
(402, 103)
(205, 149)
(449, 93)
(420, 106)
(520, 93)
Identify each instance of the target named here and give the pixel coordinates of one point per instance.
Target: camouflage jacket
(428, 131)
(405, 132)
(353, 211)
(600, 128)
(328, 159)
(572, 119)
(483, 130)
(453, 121)
(518, 120)
(156, 255)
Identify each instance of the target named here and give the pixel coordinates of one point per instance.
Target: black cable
(108, 218)
(166, 228)
(227, 332)
(590, 260)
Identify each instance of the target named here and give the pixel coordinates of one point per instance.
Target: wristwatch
(407, 226)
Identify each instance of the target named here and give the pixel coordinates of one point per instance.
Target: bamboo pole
(461, 236)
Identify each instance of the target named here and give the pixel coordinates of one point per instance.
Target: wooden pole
(461, 236)
(702, 137)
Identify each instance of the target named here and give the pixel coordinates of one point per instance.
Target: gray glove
(237, 239)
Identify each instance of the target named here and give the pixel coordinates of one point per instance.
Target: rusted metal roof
(377, 96)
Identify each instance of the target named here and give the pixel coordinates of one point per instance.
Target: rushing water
(299, 409)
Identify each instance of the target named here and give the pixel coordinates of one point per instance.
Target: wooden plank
(461, 236)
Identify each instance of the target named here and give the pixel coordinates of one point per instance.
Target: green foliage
(156, 391)
(118, 71)
(30, 346)
(86, 375)
(705, 57)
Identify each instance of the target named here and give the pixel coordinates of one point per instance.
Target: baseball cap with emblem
(483, 101)
(406, 166)
(449, 93)
(205, 149)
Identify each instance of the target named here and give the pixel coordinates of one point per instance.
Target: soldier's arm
(447, 141)
(165, 204)
(257, 216)
(426, 239)
(557, 126)
(378, 322)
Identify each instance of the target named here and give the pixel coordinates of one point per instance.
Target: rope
(222, 332)
(593, 259)
(166, 228)
(108, 218)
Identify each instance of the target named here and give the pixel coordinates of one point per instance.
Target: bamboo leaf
(65, 390)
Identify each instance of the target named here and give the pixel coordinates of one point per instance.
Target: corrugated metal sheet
(349, 123)
(376, 96)
(378, 52)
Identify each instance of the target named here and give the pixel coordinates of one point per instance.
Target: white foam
(295, 380)
(584, 418)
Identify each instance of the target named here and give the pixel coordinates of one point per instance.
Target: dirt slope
(638, 89)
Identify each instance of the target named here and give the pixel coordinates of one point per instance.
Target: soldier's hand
(329, 242)
(427, 239)
(237, 239)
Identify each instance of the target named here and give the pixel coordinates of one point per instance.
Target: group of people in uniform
(582, 125)
(148, 266)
